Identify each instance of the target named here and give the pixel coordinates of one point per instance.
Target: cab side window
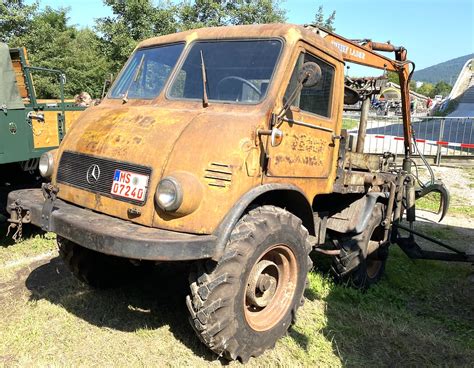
(317, 99)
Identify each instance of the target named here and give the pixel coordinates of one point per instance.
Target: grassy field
(348, 123)
(420, 314)
(457, 205)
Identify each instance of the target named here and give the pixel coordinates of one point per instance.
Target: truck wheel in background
(354, 265)
(93, 268)
(241, 305)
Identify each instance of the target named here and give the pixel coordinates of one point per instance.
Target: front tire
(241, 305)
(95, 269)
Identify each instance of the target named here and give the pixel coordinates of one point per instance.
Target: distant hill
(447, 71)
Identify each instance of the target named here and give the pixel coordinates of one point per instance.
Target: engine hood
(138, 135)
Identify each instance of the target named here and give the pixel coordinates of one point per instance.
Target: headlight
(169, 194)
(46, 165)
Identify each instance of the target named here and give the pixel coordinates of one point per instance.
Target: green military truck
(29, 126)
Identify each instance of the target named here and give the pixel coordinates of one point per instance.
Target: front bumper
(110, 235)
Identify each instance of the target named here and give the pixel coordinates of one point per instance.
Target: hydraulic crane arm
(363, 52)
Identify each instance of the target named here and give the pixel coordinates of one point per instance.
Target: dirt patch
(14, 287)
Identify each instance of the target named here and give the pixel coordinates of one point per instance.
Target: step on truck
(224, 147)
(29, 126)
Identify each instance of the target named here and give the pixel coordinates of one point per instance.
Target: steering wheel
(240, 79)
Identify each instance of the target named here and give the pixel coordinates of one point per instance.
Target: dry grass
(419, 315)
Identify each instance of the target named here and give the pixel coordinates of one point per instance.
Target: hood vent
(218, 175)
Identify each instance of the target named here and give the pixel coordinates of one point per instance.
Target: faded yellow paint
(307, 157)
(191, 37)
(216, 145)
(45, 133)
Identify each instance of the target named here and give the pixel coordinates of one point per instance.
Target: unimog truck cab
(224, 147)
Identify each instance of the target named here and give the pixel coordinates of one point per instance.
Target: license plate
(129, 185)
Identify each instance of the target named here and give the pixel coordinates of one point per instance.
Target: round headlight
(46, 164)
(169, 194)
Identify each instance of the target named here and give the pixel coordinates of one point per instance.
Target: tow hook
(50, 194)
(18, 217)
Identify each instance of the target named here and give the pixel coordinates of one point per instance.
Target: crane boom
(363, 52)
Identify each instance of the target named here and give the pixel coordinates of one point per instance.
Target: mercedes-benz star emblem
(93, 174)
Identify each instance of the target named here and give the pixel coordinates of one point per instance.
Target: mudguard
(298, 206)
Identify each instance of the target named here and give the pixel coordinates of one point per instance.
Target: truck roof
(292, 33)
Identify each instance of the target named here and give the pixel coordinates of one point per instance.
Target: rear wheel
(93, 268)
(241, 305)
(362, 260)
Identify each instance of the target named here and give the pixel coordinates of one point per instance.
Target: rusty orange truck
(224, 147)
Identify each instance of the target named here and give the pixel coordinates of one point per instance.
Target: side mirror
(310, 74)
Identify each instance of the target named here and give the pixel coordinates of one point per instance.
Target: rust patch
(306, 143)
(301, 160)
(145, 121)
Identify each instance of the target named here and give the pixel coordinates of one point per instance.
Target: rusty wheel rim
(270, 287)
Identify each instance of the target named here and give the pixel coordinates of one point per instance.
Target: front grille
(73, 169)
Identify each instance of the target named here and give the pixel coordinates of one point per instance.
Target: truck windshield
(146, 72)
(235, 71)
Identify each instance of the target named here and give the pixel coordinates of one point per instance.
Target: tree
(442, 88)
(131, 22)
(208, 13)
(15, 18)
(135, 20)
(426, 89)
(52, 43)
(327, 23)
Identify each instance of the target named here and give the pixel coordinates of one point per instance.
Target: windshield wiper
(135, 78)
(205, 101)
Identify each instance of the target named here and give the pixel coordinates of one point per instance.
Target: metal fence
(435, 136)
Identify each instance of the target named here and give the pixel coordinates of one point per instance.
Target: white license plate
(129, 185)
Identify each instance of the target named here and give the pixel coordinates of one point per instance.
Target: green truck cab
(29, 126)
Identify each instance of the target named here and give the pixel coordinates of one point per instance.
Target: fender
(226, 226)
(369, 207)
(354, 218)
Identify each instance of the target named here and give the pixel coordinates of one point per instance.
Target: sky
(432, 31)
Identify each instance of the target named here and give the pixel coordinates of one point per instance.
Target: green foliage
(15, 18)
(393, 78)
(348, 123)
(208, 13)
(52, 43)
(442, 88)
(88, 56)
(327, 23)
(426, 89)
(131, 22)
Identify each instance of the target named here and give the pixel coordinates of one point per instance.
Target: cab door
(307, 148)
